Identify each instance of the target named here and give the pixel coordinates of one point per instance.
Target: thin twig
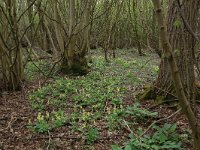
(160, 121)
(49, 141)
(129, 129)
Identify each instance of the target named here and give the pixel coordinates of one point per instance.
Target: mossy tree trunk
(183, 45)
(74, 59)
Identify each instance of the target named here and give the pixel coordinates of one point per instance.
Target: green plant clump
(48, 121)
(92, 135)
(162, 139)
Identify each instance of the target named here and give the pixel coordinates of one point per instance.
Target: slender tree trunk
(48, 44)
(139, 46)
(30, 19)
(175, 73)
(58, 29)
(72, 40)
(11, 58)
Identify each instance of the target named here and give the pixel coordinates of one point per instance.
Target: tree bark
(175, 74)
(74, 61)
(59, 33)
(183, 45)
(10, 50)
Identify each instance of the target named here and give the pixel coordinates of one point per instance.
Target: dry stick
(129, 129)
(162, 119)
(49, 141)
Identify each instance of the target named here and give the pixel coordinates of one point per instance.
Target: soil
(15, 113)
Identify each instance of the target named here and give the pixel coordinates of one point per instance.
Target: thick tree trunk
(74, 61)
(183, 44)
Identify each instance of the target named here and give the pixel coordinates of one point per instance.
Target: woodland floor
(96, 112)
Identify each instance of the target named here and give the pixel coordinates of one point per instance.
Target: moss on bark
(151, 92)
(78, 67)
(147, 93)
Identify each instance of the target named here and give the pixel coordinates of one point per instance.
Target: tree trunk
(74, 61)
(59, 33)
(176, 74)
(183, 44)
(137, 35)
(11, 58)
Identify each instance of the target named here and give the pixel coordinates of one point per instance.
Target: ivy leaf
(116, 147)
(177, 52)
(173, 128)
(177, 23)
(162, 138)
(130, 147)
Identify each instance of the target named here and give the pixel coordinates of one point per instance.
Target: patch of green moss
(79, 69)
(148, 93)
(160, 99)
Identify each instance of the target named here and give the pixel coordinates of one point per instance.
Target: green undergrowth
(163, 138)
(89, 104)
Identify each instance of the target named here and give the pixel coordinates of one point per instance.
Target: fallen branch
(49, 141)
(160, 121)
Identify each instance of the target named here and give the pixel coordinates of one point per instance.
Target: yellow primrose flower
(88, 113)
(83, 125)
(95, 124)
(114, 109)
(47, 114)
(40, 116)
